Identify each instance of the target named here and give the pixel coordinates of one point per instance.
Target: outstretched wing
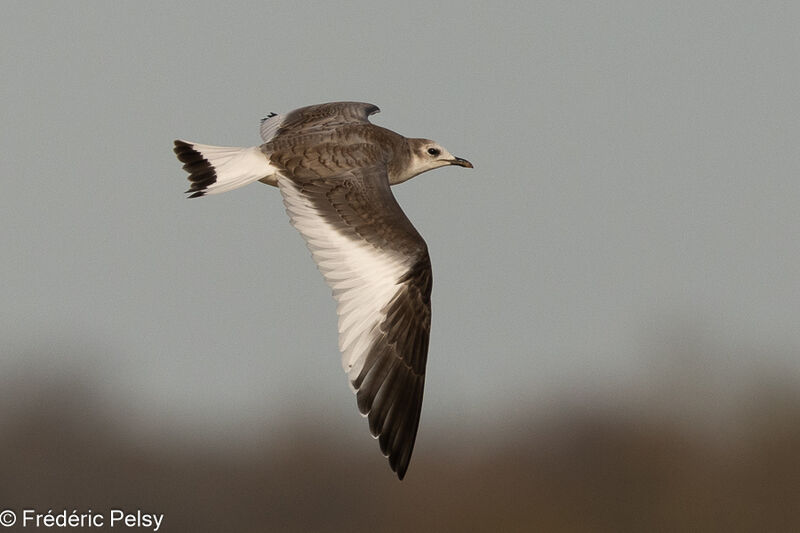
(378, 268)
(315, 118)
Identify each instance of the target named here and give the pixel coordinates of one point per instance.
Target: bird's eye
(434, 151)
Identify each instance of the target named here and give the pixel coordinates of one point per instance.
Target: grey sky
(636, 180)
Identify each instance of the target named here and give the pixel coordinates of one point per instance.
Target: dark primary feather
(391, 384)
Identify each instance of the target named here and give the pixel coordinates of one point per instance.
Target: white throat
(416, 166)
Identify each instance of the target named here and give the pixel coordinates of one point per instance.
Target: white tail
(215, 169)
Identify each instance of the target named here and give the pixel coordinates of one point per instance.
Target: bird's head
(427, 155)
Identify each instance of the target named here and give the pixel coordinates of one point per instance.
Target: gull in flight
(334, 169)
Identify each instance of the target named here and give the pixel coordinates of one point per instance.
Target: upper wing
(316, 117)
(378, 268)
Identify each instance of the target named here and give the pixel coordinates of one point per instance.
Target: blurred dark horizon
(582, 464)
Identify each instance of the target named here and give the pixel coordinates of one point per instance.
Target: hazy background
(615, 338)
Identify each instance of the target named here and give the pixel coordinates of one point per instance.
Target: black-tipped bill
(461, 162)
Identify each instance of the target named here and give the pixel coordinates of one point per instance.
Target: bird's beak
(461, 162)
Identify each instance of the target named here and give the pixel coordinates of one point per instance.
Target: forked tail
(216, 169)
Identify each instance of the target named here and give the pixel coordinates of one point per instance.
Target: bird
(334, 169)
